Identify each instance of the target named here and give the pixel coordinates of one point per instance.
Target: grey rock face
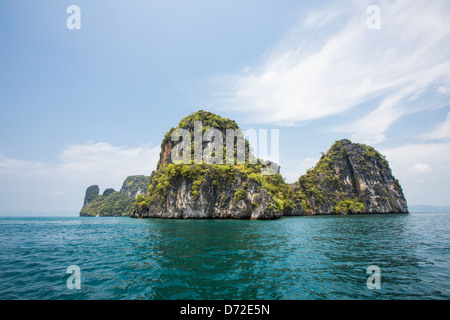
(351, 171)
(135, 185)
(231, 197)
(114, 203)
(108, 191)
(374, 183)
(92, 193)
(349, 178)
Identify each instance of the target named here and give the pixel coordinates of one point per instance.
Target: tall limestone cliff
(114, 203)
(91, 194)
(349, 178)
(207, 191)
(204, 121)
(213, 189)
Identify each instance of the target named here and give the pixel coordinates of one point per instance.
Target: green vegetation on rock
(348, 206)
(208, 120)
(323, 183)
(165, 177)
(349, 179)
(115, 203)
(91, 194)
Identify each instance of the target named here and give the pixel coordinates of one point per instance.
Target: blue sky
(90, 106)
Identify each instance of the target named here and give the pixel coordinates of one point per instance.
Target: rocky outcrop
(201, 190)
(114, 203)
(206, 191)
(92, 193)
(135, 185)
(349, 178)
(108, 191)
(197, 124)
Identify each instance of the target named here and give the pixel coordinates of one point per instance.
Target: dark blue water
(323, 257)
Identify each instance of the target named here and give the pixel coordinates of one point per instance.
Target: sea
(356, 257)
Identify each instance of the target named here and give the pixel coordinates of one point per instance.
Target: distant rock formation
(108, 191)
(91, 194)
(114, 203)
(349, 178)
(135, 185)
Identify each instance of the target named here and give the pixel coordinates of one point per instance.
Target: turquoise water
(324, 257)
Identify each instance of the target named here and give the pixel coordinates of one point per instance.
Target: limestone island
(350, 178)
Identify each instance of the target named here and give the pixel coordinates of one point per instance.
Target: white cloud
(441, 132)
(420, 168)
(423, 170)
(331, 62)
(9, 165)
(106, 163)
(62, 185)
(370, 128)
(320, 18)
(435, 155)
(444, 89)
(292, 171)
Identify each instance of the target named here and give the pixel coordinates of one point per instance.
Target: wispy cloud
(423, 170)
(331, 62)
(420, 168)
(292, 171)
(101, 162)
(106, 163)
(441, 132)
(17, 166)
(63, 184)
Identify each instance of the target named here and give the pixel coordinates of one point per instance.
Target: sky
(91, 105)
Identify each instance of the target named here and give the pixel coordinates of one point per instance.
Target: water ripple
(322, 257)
